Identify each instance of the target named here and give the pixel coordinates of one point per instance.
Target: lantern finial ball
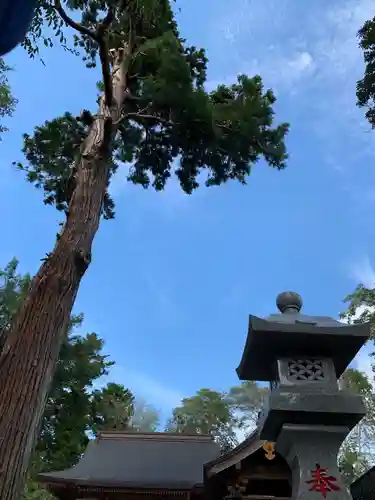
(289, 302)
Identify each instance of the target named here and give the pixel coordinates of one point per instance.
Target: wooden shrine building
(136, 466)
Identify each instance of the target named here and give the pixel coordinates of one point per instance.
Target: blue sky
(174, 277)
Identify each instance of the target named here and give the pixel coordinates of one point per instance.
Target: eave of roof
(172, 488)
(249, 446)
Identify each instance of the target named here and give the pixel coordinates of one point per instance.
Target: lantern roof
(291, 334)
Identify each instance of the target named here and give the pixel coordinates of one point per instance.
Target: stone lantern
(307, 415)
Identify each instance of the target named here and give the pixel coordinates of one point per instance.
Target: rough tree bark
(30, 353)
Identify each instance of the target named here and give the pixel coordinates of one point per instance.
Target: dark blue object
(15, 20)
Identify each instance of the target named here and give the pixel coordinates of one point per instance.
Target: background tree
(33, 491)
(111, 408)
(153, 113)
(13, 288)
(68, 414)
(208, 412)
(145, 417)
(366, 86)
(357, 451)
(361, 307)
(115, 408)
(7, 101)
(246, 400)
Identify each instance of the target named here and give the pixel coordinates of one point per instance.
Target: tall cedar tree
(366, 86)
(153, 110)
(70, 410)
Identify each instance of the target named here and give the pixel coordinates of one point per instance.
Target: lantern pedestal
(311, 453)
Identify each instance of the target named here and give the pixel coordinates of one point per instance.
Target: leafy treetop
(207, 412)
(361, 307)
(170, 124)
(366, 86)
(7, 101)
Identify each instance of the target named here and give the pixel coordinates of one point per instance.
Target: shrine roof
(248, 446)
(143, 460)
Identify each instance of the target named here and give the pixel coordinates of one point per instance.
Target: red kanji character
(322, 483)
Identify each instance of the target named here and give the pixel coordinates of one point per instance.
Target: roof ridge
(157, 436)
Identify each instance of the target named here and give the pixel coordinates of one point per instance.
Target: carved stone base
(311, 452)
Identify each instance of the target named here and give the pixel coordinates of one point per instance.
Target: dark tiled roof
(141, 460)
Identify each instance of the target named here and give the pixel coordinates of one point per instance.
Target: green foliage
(51, 154)
(366, 86)
(13, 288)
(111, 408)
(145, 417)
(246, 400)
(68, 414)
(34, 491)
(356, 453)
(209, 413)
(171, 125)
(357, 382)
(7, 101)
(361, 307)
(221, 415)
(352, 463)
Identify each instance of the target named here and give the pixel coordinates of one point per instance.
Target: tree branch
(99, 37)
(262, 147)
(103, 55)
(69, 21)
(144, 116)
(132, 97)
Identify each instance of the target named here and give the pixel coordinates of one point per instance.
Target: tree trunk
(29, 356)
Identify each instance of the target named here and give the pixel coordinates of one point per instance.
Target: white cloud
(154, 392)
(302, 61)
(363, 272)
(336, 37)
(292, 39)
(364, 362)
(292, 51)
(169, 202)
(314, 65)
(310, 57)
